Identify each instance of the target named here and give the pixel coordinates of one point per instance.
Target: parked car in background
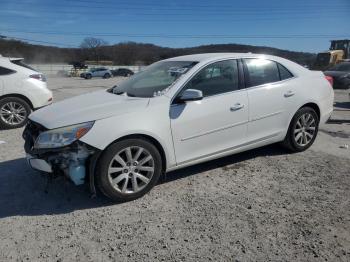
(97, 72)
(340, 74)
(22, 89)
(176, 113)
(122, 72)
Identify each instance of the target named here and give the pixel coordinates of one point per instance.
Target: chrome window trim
(270, 83)
(233, 91)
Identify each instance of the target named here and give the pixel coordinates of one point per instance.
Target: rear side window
(5, 71)
(284, 72)
(217, 78)
(262, 71)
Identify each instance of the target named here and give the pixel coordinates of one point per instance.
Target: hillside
(130, 52)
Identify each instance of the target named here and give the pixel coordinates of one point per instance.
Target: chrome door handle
(289, 94)
(236, 107)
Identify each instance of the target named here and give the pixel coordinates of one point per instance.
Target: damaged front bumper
(76, 161)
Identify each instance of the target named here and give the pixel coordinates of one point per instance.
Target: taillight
(330, 80)
(38, 77)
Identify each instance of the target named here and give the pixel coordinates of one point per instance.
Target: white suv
(22, 89)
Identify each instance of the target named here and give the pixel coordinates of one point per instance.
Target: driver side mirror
(189, 95)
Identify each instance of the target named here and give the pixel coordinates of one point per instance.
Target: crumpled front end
(71, 161)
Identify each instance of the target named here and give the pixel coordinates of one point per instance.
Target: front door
(216, 123)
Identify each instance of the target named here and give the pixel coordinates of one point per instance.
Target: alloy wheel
(305, 129)
(131, 170)
(13, 113)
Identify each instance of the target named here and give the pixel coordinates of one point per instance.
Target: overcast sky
(302, 25)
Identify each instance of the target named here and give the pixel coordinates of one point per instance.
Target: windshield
(341, 67)
(154, 79)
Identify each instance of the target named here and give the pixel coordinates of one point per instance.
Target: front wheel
(128, 169)
(302, 130)
(106, 76)
(14, 112)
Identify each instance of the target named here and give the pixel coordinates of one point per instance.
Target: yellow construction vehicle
(337, 53)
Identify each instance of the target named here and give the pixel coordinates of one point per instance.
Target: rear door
(218, 122)
(268, 91)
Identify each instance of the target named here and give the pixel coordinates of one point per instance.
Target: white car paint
(20, 84)
(200, 130)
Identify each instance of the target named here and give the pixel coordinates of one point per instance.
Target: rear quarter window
(284, 72)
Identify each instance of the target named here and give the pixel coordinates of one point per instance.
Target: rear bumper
(38, 93)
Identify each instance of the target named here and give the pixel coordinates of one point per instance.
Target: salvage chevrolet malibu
(177, 112)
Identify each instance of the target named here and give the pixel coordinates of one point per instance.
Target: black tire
(88, 76)
(106, 76)
(102, 177)
(25, 114)
(290, 141)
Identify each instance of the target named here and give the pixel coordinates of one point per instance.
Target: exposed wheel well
(19, 96)
(314, 107)
(153, 141)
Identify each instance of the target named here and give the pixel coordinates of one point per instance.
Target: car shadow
(223, 162)
(24, 192)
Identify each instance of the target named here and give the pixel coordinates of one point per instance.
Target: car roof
(214, 56)
(211, 57)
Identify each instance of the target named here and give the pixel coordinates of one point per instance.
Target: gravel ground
(259, 205)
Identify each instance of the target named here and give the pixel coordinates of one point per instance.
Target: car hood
(335, 73)
(88, 107)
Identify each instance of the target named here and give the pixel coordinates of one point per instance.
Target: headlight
(63, 136)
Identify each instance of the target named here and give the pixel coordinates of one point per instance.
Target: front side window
(217, 78)
(5, 71)
(260, 72)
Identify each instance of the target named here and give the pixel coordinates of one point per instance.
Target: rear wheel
(88, 76)
(128, 169)
(14, 112)
(302, 130)
(107, 76)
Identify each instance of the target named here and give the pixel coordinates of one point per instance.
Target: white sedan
(178, 112)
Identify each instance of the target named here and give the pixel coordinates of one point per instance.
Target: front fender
(106, 131)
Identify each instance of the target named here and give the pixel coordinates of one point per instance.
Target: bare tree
(93, 46)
